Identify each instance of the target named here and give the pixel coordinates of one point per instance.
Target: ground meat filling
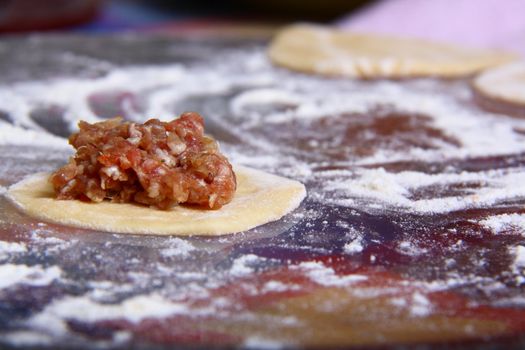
(160, 164)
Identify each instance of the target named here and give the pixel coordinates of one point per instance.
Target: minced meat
(160, 164)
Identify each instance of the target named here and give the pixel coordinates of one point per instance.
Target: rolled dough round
(320, 50)
(505, 83)
(260, 198)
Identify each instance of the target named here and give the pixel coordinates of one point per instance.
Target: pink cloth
(498, 24)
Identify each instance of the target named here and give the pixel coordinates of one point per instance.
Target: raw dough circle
(260, 198)
(316, 49)
(505, 83)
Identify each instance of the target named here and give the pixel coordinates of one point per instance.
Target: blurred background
(479, 23)
(117, 15)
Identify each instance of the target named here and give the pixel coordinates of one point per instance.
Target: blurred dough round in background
(505, 83)
(321, 50)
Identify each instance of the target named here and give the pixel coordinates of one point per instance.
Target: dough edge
(260, 198)
(505, 83)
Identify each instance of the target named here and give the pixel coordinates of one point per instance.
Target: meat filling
(160, 164)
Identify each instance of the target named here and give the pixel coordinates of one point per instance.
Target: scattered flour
(177, 247)
(505, 223)
(420, 306)
(326, 276)
(43, 237)
(518, 265)
(277, 286)
(106, 290)
(161, 88)
(257, 342)
(263, 97)
(11, 275)
(52, 318)
(188, 275)
(395, 188)
(399, 302)
(11, 135)
(356, 246)
(26, 338)
(8, 248)
(243, 265)
(409, 248)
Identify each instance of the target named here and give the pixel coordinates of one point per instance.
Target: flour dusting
(408, 183)
(177, 247)
(9, 248)
(326, 276)
(12, 275)
(505, 223)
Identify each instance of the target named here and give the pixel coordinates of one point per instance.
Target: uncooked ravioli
(260, 198)
(321, 50)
